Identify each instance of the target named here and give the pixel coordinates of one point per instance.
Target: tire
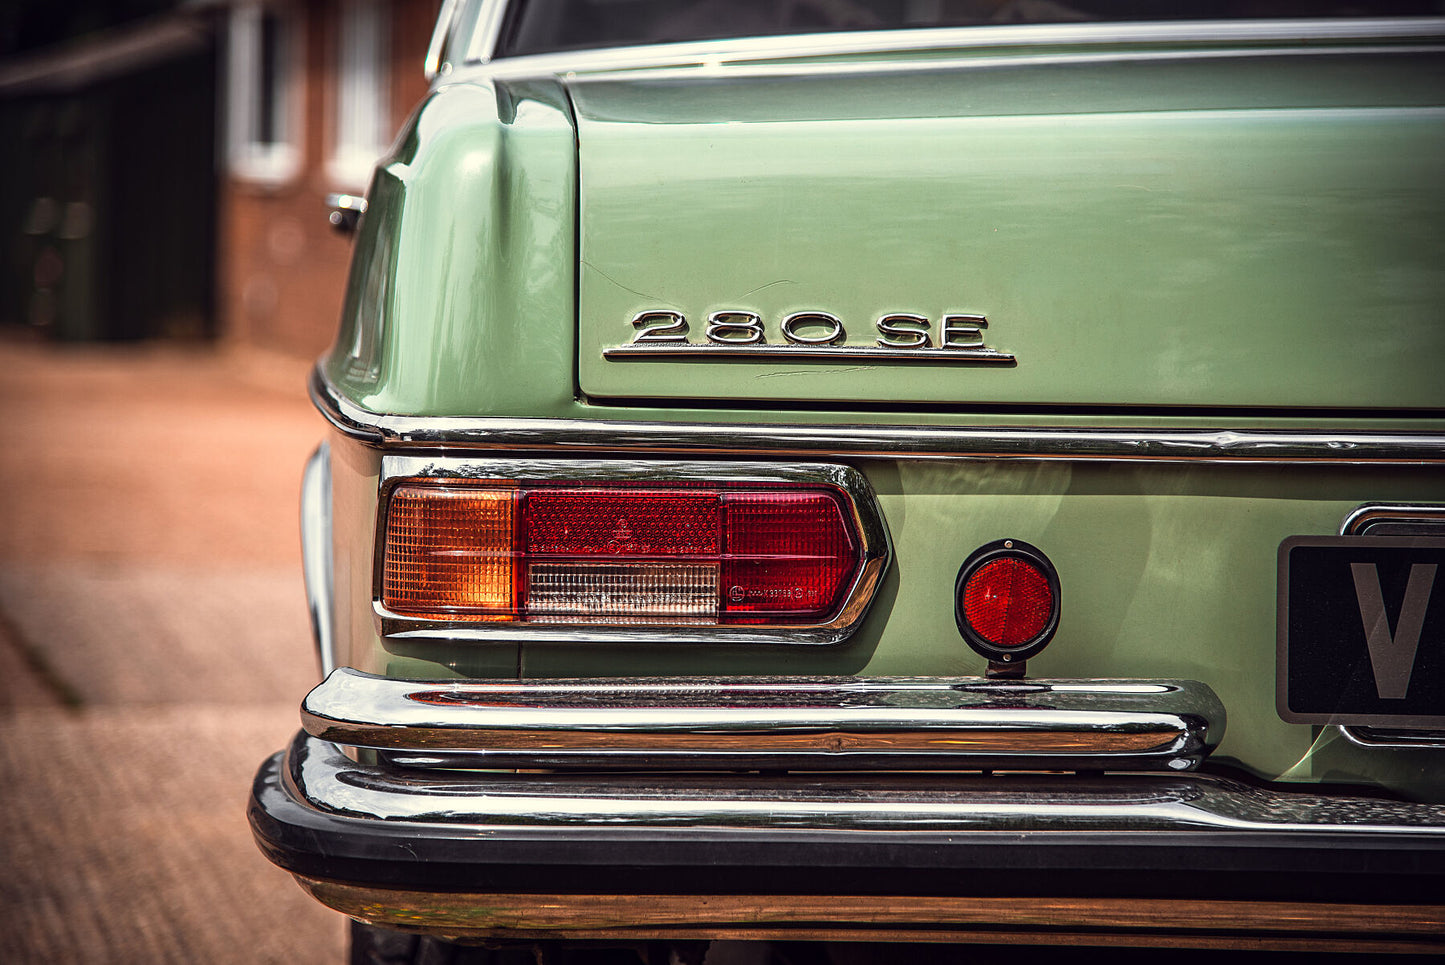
(371, 945)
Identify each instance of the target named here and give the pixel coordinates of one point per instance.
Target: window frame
(251, 154)
(361, 104)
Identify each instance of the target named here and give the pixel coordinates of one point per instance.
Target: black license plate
(1361, 631)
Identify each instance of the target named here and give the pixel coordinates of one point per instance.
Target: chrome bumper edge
(772, 723)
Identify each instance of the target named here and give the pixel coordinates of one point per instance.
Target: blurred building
(107, 135)
(313, 92)
(167, 161)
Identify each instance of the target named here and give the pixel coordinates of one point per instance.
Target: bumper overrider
(917, 809)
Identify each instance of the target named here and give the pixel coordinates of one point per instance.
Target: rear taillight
(1007, 600)
(625, 554)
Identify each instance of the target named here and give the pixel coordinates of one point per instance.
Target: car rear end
(965, 485)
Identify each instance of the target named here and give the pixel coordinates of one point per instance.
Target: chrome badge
(810, 335)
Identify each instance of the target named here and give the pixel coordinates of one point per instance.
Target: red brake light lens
(663, 554)
(631, 524)
(790, 557)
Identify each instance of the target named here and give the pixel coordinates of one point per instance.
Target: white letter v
(1393, 658)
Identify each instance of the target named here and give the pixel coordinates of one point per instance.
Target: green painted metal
(1171, 232)
(1265, 231)
(461, 293)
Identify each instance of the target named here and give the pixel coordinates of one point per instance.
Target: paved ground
(153, 648)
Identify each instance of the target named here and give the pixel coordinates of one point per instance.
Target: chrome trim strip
(773, 722)
(316, 554)
(981, 62)
(346, 211)
(488, 30)
(599, 437)
(741, 803)
(876, 549)
(1362, 517)
(446, 17)
(799, 353)
(749, 51)
(1374, 737)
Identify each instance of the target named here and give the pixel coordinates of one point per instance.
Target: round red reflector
(1008, 602)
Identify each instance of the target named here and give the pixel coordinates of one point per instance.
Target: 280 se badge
(814, 335)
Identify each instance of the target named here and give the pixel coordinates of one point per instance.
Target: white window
(363, 110)
(263, 93)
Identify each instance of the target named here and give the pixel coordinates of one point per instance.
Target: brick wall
(281, 267)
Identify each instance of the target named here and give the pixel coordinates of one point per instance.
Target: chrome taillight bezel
(858, 497)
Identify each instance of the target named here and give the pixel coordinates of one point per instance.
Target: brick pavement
(153, 647)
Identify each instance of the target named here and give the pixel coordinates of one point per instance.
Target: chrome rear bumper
(319, 776)
(1192, 859)
(772, 723)
(976, 810)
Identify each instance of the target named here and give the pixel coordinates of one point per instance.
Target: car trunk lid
(1247, 228)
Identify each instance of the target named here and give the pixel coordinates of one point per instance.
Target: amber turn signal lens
(1007, 600)
(449, 552)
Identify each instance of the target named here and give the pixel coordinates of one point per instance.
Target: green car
(822, 472)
